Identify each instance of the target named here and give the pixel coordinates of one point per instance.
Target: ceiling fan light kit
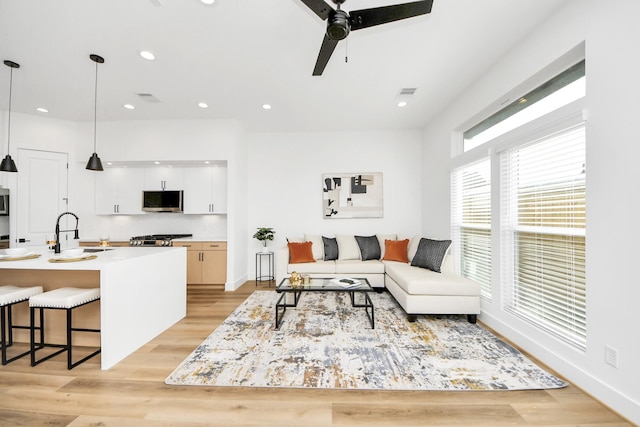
(340, 23)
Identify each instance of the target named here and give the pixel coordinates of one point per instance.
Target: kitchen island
(142, 293)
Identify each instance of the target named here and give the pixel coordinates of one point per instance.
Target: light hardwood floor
(133, 393)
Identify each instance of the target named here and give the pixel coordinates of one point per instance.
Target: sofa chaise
(417, 272)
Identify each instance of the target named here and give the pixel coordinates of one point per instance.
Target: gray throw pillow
(369, 247)
(330, 248)
(430, 254)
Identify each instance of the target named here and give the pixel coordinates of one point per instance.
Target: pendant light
(94, 163)
(8, 165)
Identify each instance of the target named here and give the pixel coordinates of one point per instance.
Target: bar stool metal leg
(10, 296)
(66, 299)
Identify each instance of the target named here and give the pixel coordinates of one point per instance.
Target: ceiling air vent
(407, 91)
(147, 97)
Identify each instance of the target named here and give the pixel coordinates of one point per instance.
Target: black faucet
(56, 248)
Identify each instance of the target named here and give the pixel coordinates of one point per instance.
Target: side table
(260, 277)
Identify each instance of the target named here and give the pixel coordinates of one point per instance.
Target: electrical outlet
(611, 356)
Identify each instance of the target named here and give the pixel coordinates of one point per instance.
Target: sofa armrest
(281, 261)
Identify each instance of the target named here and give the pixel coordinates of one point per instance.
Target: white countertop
(104, 258)
(201, 239)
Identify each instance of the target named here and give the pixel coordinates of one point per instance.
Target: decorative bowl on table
(16, 252)
(72, 252)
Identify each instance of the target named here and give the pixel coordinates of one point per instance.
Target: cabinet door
(106, 191)
(205, 190)
(119, 191)
(197, 190)
(214, 267)
(163, 178)
(219, 189)
(194, 267)
(130, 191)
(194, 261)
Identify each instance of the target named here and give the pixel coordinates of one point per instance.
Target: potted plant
(263, 234)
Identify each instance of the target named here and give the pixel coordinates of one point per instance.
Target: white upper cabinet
(164, 178)
(205, 190)
(119, 191)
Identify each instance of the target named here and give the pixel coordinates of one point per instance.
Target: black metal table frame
(281, 304)
(270, 259)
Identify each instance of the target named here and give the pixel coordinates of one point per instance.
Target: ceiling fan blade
(327, 48)
(381, 15)
(319, 7)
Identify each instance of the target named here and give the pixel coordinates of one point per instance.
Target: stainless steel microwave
(162, 201)
(4, 204)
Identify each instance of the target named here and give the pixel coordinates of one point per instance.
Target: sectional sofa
(421, 279)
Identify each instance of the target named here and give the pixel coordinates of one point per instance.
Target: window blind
(543, 236)
(471, 222)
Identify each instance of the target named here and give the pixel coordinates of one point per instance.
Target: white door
(42, 196)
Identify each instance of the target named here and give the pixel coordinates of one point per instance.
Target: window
(543, 236)
(471, 222)
(561, 90)
(518, 198)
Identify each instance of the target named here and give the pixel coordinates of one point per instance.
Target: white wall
(285, 182)
(611, 36)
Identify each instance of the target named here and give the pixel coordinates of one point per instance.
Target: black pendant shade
(8, 165)
(94, 163)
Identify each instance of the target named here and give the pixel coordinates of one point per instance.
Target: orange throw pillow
(300, 252)
(396, 250)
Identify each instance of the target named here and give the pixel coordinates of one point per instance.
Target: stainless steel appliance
(162, 201)
(4, 202)
(4, 218)
(156, 239)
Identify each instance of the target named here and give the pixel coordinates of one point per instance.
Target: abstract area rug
(326, 343)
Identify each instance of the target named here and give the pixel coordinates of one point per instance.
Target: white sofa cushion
(317, 246)
(353, 267)
(420, 281)
(347, 247)
(326, 267)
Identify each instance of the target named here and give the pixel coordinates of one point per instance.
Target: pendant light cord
(9, 117)
(95, 109)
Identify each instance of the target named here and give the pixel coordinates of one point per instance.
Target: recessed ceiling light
(129, 107)
(266, 106)
(157, 163)
(206, 162)
(203, 105)
(207, 2)
(147, 55)
(402, 104)
(42, 110)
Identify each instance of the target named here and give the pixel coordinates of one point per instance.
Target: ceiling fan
(341, 23)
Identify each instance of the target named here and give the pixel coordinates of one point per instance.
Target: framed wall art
(352, 195)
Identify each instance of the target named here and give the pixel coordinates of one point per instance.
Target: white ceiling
(239, 54)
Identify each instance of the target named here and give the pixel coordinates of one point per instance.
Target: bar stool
(9, 296)
(61, 299)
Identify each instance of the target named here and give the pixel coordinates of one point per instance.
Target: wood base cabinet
(206, 262)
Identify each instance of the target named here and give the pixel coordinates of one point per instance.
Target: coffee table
(324, 285)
